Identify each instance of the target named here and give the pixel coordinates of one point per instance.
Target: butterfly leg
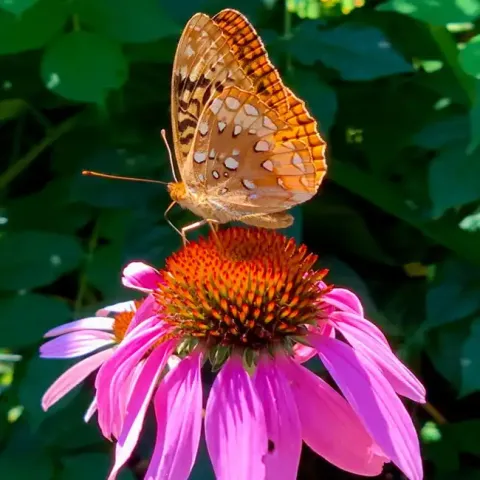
(165, 215)
(190, 227)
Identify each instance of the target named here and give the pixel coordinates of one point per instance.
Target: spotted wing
(203, 66)
(247, 158)
(250, 53)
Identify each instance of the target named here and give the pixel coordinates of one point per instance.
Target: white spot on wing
(221, 126)
(215, 174)
(281, 183)
(248, 184)
(216, 105)
(253, 196)
(235, 151)
(298, 162)
(199, 157)
(237, 129)
(232, 103)
(231, 163)
(268, 165)
(212, 153)
(262, 146)
(189, 51)
(201, 177)
(269, 124)
(250, 109)
(304, 181)
(183, 71)
(223, 191)
(203, 128)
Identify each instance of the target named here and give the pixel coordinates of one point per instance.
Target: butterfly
(245, 146)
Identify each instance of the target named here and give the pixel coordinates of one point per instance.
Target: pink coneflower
(100, 334)
(250, 304)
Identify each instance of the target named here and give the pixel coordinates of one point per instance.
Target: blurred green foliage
(395, 86)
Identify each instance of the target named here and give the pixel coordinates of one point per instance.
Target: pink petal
(402, 380)
(141, 394)
(328, 421)
(282, 422)
(90, 323)
(141, 276)
(235, 425)
(147, 309)
(117, 371)
(72, 377)
(128, 306)
(344, 300)
(375, 401)
(303, 353)
(90, 411)
(178, 409)
(76, 344)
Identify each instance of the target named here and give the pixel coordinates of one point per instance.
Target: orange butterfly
(246, 147)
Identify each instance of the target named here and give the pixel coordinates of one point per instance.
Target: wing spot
(216, 105)
(248, 184)
(199, 157)
(304, 181)
(231, 163)
(225, 174)
(183, 71)
(237, 130)
(223, 191)
(253, 196)
(298, 162)
(281, 183)
(221, 126)
(262, 146)
(212, 154)
(201, 177)
(215, 174)
(250, 109)
(232, 103)
(189, 51)
(235, 151)
(267, 122)
(252, 131)
(268, 165)
(203, 128)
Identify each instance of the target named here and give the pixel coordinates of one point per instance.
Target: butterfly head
(177, 191)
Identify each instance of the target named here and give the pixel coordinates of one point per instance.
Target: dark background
(84, 84)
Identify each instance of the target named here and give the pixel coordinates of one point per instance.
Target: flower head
(251, 303)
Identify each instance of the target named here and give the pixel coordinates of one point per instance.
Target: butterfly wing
(249, 159)
(203, 66)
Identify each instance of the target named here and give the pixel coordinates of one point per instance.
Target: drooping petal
(328, 422)
(72, 377)
(141, 276)
(303, 353)
(128, 306)
(178, 409)
(76, 344)
(344, 300)
(235, 427)
(375, 401)
(400, 377)
(141, 394)
(90, 323)
(147, 310)
(282, 422)
(115, 372)
(90, 411)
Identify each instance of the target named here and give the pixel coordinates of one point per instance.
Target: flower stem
(434, 413)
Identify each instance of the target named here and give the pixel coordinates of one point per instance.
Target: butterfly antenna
(90, 173)
(163, 133)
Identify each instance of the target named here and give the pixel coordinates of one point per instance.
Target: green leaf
(34, 28)
(104, 270)
(357, 51)
(32, 259)
(39, 375)
(470, 362)
(320, 98)
(25, 318)
(84, 67)
(469, 57)
(436, 135)
(11, 108)
(23, 453)
(464, 435)
(475, 120)
(454, 178)
(94, 466)
(435, 12)
(127, 21)
(17, 6)
(471, 223)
